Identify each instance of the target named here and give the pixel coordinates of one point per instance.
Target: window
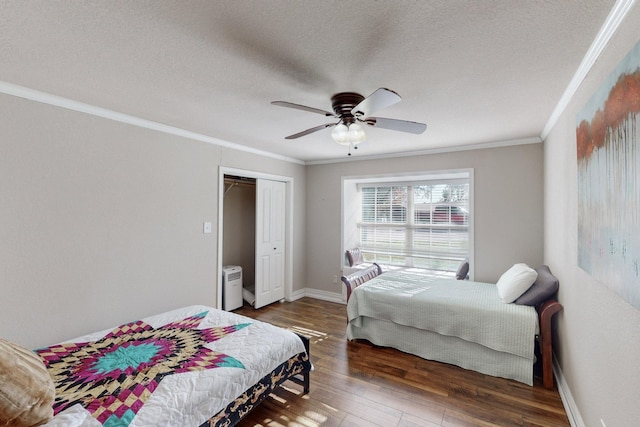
(423, 224)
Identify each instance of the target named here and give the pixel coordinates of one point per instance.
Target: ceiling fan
(351, 109)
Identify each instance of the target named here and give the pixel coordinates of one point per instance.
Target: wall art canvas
(608, 152)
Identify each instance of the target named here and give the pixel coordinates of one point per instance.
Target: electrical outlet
(335, 279)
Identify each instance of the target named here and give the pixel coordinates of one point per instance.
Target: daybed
(195, 366)
(460, 322)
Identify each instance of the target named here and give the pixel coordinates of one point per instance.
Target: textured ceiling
(475, 71)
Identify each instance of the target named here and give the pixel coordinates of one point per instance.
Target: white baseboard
(321, 295)
(567, 398)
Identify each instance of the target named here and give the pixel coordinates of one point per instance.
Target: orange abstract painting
(608, 154)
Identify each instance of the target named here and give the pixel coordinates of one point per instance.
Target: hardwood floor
(358, 384)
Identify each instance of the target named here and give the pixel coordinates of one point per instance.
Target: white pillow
(515, 282)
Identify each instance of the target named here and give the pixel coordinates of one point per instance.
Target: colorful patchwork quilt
(187, 367)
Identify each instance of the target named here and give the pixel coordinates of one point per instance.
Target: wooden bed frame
(359, 277)
(545, 339)
(545, 311)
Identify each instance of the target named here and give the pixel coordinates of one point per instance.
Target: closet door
(270, 241)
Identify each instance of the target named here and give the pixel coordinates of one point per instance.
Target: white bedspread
(190, 398)
(468, 310)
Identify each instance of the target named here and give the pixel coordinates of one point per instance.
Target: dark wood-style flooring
(358, 384)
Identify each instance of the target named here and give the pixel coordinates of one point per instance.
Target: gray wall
(101, 222)
(507, 213)
(598, 339)
(239, 233)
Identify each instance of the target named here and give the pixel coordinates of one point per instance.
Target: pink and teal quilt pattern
(114, 376)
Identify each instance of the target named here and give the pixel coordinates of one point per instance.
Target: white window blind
(420, 224)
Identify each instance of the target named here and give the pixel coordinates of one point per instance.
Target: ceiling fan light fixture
(352, 134)
(356, 134)
(340, 134)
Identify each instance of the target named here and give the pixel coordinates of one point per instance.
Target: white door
(270, 241)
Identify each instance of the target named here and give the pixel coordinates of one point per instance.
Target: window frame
(352, 197)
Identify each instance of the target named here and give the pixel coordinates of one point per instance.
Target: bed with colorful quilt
(195, 366)
(474, 325)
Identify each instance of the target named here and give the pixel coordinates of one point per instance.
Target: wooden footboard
(356, 279)
(545, 340)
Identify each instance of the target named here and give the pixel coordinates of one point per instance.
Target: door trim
(288, 253)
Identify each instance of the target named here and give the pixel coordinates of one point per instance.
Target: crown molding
(480, 146)
(69, 104)
(619, 11)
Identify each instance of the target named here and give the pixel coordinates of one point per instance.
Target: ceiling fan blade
(381, 98)
(308, 131)
(302, 107)
(393, 124)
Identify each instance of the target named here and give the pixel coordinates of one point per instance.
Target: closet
(254, 220)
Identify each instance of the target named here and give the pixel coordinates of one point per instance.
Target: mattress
(188, 367)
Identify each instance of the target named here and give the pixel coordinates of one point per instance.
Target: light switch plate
(206, 228)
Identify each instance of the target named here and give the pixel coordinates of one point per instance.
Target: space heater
(231, 287)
